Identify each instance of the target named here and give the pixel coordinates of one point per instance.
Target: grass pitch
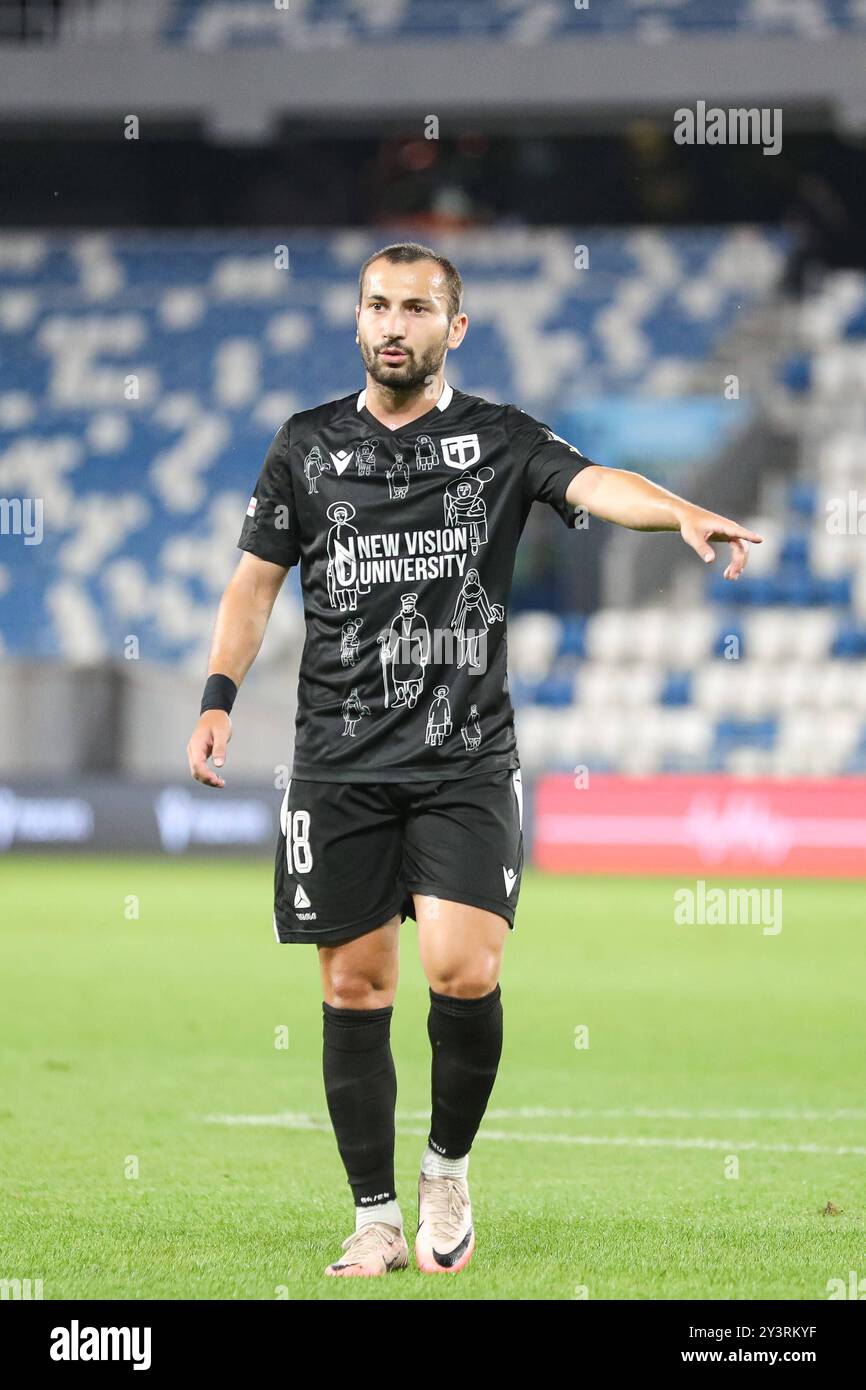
(157, 1142)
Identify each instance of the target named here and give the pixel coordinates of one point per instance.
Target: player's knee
(351, 983)
(465, 981)
(346, 989)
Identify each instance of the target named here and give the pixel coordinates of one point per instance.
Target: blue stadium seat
(758, 733)
(728, 633)
(795, 551)
(677, 689)
(856, 325)
(802, 499)
(850, 642)
(557, 690)
(797, 374)
(573, 636)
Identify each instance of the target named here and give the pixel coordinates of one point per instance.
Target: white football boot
(375, 1248)
(446, 1236)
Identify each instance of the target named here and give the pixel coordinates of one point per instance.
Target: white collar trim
(442, 404)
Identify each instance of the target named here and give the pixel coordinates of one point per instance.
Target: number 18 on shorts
(350, 855)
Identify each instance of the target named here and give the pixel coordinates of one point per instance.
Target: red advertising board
(675, 825)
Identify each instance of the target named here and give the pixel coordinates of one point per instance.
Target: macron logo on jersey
(510, 877)
(251, 509)
(342, 460)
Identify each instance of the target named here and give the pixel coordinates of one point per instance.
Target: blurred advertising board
(688, 824)
(105, 815)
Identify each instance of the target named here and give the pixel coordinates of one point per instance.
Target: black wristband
(219, 693)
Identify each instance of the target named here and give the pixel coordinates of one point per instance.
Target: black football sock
(466, 1037)
(361, 1091)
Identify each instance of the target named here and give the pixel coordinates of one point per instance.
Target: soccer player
(419, 812)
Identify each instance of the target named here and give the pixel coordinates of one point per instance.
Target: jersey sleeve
(548, 462)
(270, 528)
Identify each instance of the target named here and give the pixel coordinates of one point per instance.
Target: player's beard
(414, 372)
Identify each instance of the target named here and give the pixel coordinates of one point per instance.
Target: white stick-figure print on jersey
(464, 506)
(439, 724)
(342, 571)
(365, 457)
(398, 477)
(425, 453)
(353, 710)
(472, 613)
(349, 641)
(417, 536)
(471, 730)
(404, 654)
(313, 466)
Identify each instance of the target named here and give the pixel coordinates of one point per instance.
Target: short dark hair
(405, 252)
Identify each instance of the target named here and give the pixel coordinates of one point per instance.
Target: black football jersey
(406, 541)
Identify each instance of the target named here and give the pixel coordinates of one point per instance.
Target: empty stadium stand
(144, 375)
(208, 23)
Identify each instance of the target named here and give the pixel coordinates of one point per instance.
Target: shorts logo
(510, 877)
(301, 900)
(461, 450)
(251, 509)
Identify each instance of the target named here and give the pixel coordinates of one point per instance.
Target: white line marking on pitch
(311, 1122)
(642, 1113)
(540, 1112)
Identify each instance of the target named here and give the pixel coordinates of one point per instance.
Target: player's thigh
(463, 862)
(362, 973)
(460, 946)
(336, 874)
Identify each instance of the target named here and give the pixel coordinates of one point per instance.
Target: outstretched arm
(629, 499)
(240, 627)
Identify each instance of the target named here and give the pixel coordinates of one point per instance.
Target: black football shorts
(350, 854)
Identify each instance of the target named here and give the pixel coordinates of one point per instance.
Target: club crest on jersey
(461, 450)
(342, 460)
